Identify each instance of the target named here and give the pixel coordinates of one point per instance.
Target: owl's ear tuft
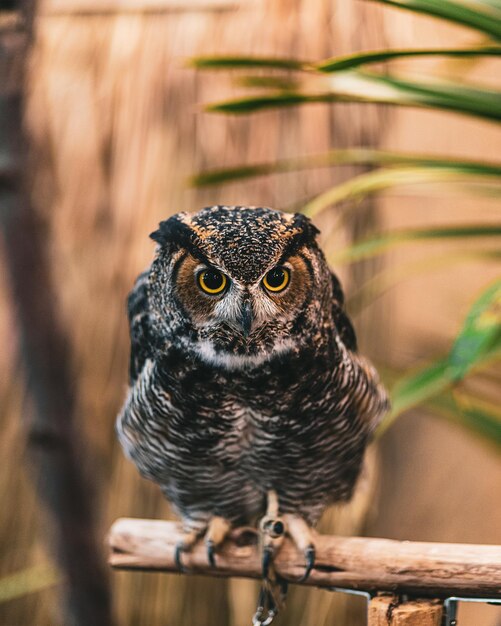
(304, 233)
(309, 231)
(171, 231)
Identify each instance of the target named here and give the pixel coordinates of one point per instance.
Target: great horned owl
(247, 395)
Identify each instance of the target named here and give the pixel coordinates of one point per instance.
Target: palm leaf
(482, 16)
(415, 388)
(353, 86)
(481, 417)
(379, 180)
(354, 156)
(491, 4)
(240, 106)
(378, 244)
(246, 62)
(27, 581)
(283, 83)
(395, 274)
(336, 64)
(484, 103)
(428, 382)
(481, 332)
(352, 61)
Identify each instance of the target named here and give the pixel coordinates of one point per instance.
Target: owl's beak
(246, 318)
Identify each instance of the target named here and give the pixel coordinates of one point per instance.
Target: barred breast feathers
(221, 409)
(366, 392)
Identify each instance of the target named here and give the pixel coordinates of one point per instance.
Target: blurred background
(102, 129)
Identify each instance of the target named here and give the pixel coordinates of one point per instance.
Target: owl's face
(242, 280)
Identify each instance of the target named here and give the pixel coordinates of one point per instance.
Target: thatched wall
(116, 128)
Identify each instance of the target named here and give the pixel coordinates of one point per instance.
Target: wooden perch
(437, 570)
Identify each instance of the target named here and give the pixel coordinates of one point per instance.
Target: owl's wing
(341, 319)
(367, 395)
(139, 323)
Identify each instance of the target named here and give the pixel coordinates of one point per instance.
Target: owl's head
(239, 284)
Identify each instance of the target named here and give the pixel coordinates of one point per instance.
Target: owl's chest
(231, 411)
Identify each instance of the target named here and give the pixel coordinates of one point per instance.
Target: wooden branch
(420, 569)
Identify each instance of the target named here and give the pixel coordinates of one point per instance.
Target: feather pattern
(218, 419)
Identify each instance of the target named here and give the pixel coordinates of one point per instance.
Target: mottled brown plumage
(245, 377)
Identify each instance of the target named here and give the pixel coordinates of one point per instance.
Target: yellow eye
(212, 281)
(277, 279)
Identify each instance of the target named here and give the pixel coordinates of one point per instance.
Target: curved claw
(283, 586)
(266, 603)
(211, 552)
(309, 555)
(266, 561)
(177, 556)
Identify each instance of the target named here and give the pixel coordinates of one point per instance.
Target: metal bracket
(451, 606)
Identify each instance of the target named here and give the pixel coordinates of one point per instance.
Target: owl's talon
(217, 531)
(266, 561)
(189, 539)
(309, 555)
(266, 604)
(211, 552)
(177, 556)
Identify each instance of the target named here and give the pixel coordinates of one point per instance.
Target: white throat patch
(206, 351)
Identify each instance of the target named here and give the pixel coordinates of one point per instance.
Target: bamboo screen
(116, 126)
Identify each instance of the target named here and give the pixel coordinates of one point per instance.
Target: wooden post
(53, 441)
(387, 610)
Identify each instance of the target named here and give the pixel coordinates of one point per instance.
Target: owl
(248, 399)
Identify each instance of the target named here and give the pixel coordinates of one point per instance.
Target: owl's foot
(271, 599)
(218, 530)
(303, 537)
(186, 545)
(214, 535)
(272, 530)
(272, 536)
(272, 533)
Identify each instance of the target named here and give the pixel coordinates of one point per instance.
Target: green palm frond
(480, 417)
(480, 335)
(393, 275)
(477, 344)
(352, 61)
(286, 82)
(481, 15)
(365, 87)
(380, 243)
(373, 182)
(29, 580)
(246, 62)
(353, 156)
(336, 64)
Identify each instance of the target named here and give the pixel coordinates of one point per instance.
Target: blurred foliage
(443, 167)
(478, 343)
(29, 580)
(285, 82)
